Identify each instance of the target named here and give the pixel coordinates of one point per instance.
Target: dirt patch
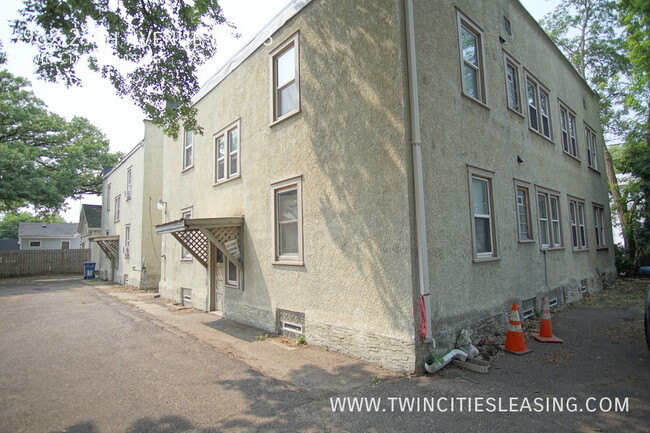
(559, 357)
(624, 293)
(628, 331)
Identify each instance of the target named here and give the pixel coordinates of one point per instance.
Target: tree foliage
(9, 222)
(608, 43)
(45, 159)
(158, 44)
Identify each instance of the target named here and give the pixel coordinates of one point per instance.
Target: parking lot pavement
(76, 359)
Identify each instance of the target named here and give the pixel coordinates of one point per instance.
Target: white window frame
(568, 134)
(599, 225)
(591, 144)
(578, 224)
(127, 240)
(40, 244)
(129, 183)
(534, 104)
(463, 22)
(549, 219)
(232, 283)
(188, 148)
(116, 217)
(524, 203)
(225, 135)
(486, 176)
(281, 258)
(292, 42)
(508, 61)
(108, 197)
(186, 213)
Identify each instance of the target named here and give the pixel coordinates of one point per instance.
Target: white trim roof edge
(126, 157)
(249, 48)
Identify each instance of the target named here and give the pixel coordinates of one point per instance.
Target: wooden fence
(40, 262)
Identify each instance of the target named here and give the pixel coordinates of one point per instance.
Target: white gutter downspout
(418, 177)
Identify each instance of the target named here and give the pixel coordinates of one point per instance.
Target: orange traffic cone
(545, 334)
(515, 342)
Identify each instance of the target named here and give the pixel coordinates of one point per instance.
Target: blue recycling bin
(89, 270)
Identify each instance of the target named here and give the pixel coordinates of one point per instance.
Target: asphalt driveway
(75, 359)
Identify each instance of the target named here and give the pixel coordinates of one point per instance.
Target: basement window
(187, 296)
(527, 308)
(292, 327)
(552, 303)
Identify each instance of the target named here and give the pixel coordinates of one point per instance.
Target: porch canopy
(110, 245)
(195, 235)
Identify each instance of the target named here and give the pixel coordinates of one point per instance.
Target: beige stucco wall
(349, 145)
(139, 212)
(458, 132)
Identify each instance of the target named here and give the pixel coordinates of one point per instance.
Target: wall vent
(506, 26)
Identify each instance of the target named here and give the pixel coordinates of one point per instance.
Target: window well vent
(506, 26)
(527, 308)
(552, 303)
(289, 323)
(583, 286)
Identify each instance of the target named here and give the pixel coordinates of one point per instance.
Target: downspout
(418, 177)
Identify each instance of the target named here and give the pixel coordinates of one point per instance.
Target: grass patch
(624, 293)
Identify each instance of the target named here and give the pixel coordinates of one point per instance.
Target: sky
(120, 119)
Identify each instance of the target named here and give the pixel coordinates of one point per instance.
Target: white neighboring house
(131, 190)
(43, 236)
(90, 225)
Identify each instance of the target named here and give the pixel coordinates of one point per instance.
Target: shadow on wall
(353, 103)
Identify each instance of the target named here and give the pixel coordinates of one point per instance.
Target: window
(548, 214)
(185, 214)
(129, 184)
(512, 85)
(577, 220)
(65, 245)
(482, 215)
(523, 214)
(539, 114)
(108, 197)
(286, 80)
(188, 149)
(116, 217)
(568, 127)
(34, 244)
(287, 203)
(127, 240)
(590, 139)
(232, 274)
(471, 55)
(599, 225)
(226, 151)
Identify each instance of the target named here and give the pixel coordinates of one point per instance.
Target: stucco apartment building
(131, 190)
(377, 175)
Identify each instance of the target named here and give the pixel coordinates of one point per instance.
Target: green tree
(9, 222)
(590, 34)
(45, 159)
(160, 43)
